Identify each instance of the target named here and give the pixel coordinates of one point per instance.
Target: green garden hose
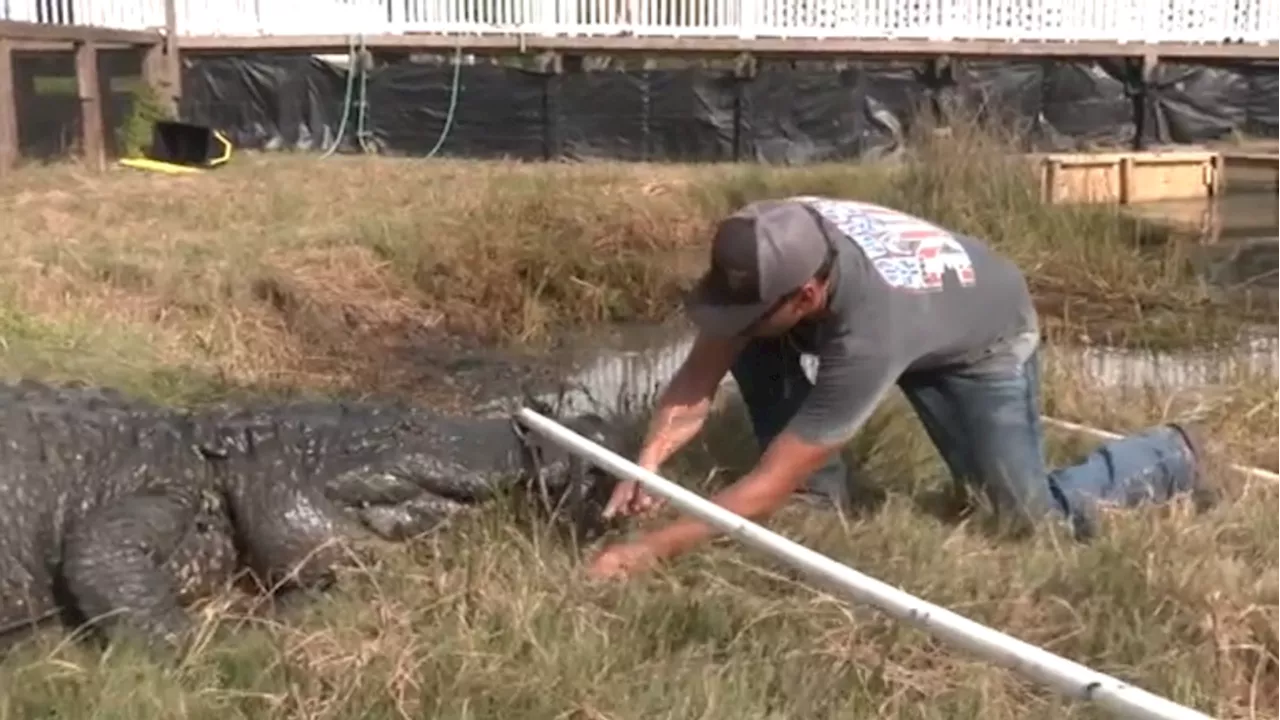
(356, 65)
(453, 100)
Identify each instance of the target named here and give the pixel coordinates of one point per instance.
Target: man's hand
(681, 410)
(621, 561)
(782, 469)
(629, 499)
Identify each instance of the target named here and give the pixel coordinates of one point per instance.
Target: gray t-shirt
(907, 295)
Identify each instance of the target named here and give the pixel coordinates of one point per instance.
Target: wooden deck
(762, 46)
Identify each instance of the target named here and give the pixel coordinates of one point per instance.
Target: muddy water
(1233, 239)
(1233, 216)
(623, 372)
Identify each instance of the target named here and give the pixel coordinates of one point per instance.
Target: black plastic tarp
(601, 115)
(498, 111)
(1008, 94)
(688, 115)
(1261, 118)
(794, 114)
(265, 101)
(783, 112)
(1089, 104)
(1193, 103)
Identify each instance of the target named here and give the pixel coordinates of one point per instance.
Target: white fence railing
(1193, 21)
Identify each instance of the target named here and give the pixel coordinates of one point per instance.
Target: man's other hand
(622, 561)
(630, 499)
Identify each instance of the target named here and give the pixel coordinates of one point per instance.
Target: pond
(1232, 240)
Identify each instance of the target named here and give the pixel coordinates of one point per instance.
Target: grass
(283, 271)
(290, 274)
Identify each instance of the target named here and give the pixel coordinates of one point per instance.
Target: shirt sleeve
(851, 382)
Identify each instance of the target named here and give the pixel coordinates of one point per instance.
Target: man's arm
(847, 392)
(682, 408)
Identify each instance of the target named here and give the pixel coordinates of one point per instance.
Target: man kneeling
(882, 298)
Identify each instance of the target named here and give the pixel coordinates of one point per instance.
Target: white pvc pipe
(1066, 677)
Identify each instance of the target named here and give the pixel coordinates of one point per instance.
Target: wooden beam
(8, 109)
(773, 47)
(161, 65)
(172, 55)
(45, 32)
(92, 132)
(62, 46)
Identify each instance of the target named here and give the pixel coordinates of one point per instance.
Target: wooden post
(172, 59)
(1128, 180)
(92, 141)
(1149, 62)
(155, 73)
(8, 109)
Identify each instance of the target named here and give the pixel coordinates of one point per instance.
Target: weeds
(134, 135)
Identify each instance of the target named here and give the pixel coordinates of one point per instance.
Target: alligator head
(408, 475)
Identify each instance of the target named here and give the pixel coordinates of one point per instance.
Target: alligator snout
(415, 488)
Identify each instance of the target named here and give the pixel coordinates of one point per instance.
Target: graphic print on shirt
(909, 253)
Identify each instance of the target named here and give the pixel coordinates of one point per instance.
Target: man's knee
(1021, 500)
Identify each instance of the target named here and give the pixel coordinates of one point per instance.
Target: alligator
(116, 513)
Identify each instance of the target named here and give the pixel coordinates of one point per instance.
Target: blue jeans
(986, 425)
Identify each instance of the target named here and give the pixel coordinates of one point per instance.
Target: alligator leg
(31, 603)
(208, 559)
(113, 565)
(290, 534)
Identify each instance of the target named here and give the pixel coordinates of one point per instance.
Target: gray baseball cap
(760, 254)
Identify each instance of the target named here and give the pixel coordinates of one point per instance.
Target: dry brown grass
(291, 273)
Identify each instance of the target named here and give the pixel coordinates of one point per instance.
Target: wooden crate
(1250, 170)
(1129, 177)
